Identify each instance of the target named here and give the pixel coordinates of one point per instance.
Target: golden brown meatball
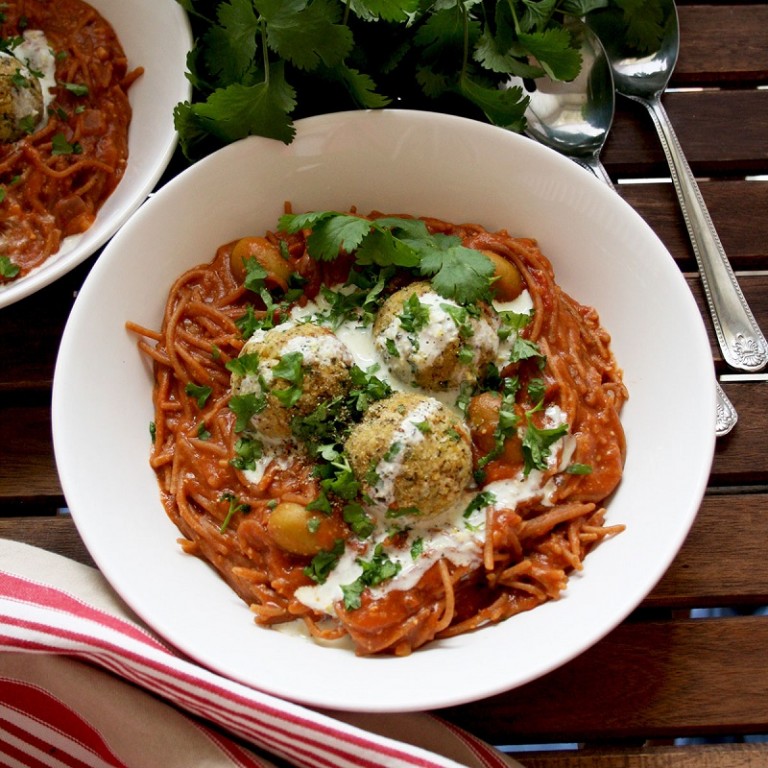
(21, 99)
(432, 342)
(410, 452)
(295, 368)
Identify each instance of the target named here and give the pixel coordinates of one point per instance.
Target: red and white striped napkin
(84, 683)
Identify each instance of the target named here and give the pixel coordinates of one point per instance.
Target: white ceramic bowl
(395, 161)
(154, 34)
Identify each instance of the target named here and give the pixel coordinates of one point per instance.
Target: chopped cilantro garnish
(200, 392)
(414, 315)
(244, 365)
(8, 269)
(77, 89)
(324, 562)
(357, 519)
(579, 469)
(506, 426)
(255, 274)
(394, 512)
(523, 349)
(483, 499)
(247, 452)
(538, 441)
(60, 146)
(234, 507)
(289, 368)
(378, 569)
(245, 407)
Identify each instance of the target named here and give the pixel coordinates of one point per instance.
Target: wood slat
(704, 124)
(54, 534)
(30, 331)
(722, 562)
(27, 466)
(690, 756)
(737, 209)
(644, 680)
(707, 56)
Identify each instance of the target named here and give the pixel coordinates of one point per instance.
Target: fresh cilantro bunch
(256, 65)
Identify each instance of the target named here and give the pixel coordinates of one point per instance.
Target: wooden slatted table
(661, 676)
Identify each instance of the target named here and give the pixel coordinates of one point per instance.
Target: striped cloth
(84, 683)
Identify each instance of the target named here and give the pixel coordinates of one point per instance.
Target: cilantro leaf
(378, 569)
(334, 234)
(200, 392)
(324, 562)
(8, 269)
(463, 274)
(309, 35)
(552, 49)
(389, 10)
(239, 110)
(537, 442)
(245, 407)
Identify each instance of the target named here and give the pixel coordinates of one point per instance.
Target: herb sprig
(456, 272)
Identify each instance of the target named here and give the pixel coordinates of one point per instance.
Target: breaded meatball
(21, 99)
(432, 342)
(411, 454)
(295, 368)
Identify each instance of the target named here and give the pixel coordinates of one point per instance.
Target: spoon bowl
(574, 117)
(641, 71)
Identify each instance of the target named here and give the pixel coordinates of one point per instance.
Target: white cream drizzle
(451, 535)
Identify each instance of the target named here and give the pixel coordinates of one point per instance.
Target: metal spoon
(643, 76)
(574, 118)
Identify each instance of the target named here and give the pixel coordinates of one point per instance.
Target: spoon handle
(726, 417)
(741, 341)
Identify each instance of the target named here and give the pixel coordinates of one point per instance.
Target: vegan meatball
(411, 455)
(432, 342)
(21, 99)
(291, 369)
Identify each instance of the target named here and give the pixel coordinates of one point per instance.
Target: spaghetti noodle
(57, 175)
(388, 512)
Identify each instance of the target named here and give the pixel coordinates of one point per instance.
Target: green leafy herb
(8, 269)
(358, 520)
(234, 507)
(483, 499)
(244, 365)
(537, 441)
(200, 392)
(457, 272)
(506, 426)
(256, 64)
(378, 569)
(289, 368)
(324, 562)
(77, 89)
(247, 452)
(60, 146)
(255, 274)
(579, 469)
(245, 407)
